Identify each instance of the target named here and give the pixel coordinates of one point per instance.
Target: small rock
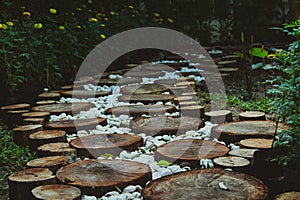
(129, 189)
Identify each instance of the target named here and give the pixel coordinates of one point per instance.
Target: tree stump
(179, 99)
(51, 162)
(49, 96)
(206, 184)
(192, 111)
(288, 196)
(257, 143)
(190, 150)
(22, 106)
(244, 153)
(188, 84)
(252, 115)
(44, 115)
(93, 146)
(45, 102)
(144, 89)
(218, 116)
(143, 73)
(146, 98)
(236, 131)
(14, 117)
(71, 126)
(188, 103)
(39, 138)
(21, 134)
(56, 192)
(21, 183)
(97, 177)
(165, 125)
(237, 163)
(166, 82)
(32, 121)
(57, 149)
(68, 108)
(81, 94)
(138, 110)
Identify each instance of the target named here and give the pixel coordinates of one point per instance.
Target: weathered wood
(257, 143)
(71, 126)
(29, 121)
(192, 111)
(49, 96)
(39, 138)
(44, 115)
(83, 80)
(166, 82)
(189, 84)
(219, 116)
(83, 94)
(57, 149)
(93, 146)
(227, 62)
(144, 89)
(188, 103)
(97, 177)
(143, 73)
(45, 102)
(68, 108)
(252, 115)
(165, 125)
(71, 87)
(228, 69)
(206, 184)
(244, 153)
(21, 183)
(138, 110)
(288, 196)
(190, 150)
(14, 117)
(236, 131)
(51, 162)
(22, 106)
(21, 134)
(122, 81)
(56, 192)
(237, 163)
(179, 99)
(146, 98)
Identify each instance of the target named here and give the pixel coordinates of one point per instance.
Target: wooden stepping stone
(236, 131)
(166, 82)
(51, 162)
(93, 146)
(218, 116)
(44, 115)
(21, 134)
(122, 81)
(14, 117)
(139, 110)
(57, 149)
(244, 153)
(21, 183)
(22, 106)
(56, 192)
(49, 96)
(193, 111)
(84, 94)
(144, 89)
(39, 138)
(252, 115)
(97, 177)
(188, 103)
(257, 143)
(237, 163)
(228, 69)
(45, 102)
(190, 150)
(71, 126)
(185, 98)
(84, 80)
(32, 121)
(165, 125)
(146, 98)
(68, 108)
(143, 73)
(288, 196)
(71, 87)
(227, 62)
(206, 184)
(186, 84)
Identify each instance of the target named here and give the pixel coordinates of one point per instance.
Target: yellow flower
(78, 26)
(94, 19)
(271, 56)
(102, 36)
(38, 25)
(156, 14)
(131, 7)
(112, 13)
(170, 20)
(105, 18)
(26, 14)
(278, 51)
(53, 10)
(10, 23)
(4, 26)
(61, 28)
(78, 9)
(103, 25)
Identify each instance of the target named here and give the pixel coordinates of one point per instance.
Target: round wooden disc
(185, 98)
(144, 89)
(45, 102)
(205, 184)
(236, 131)
(50, 95)
(257, 143)
(17, 111)
(245, 153)
(35, 114)
(21, 133)
(48, 162)
(56, 192)
(83, 94)
(47, 134)
(227, 62)
(94, 146)
(97, 177)
(189, 150)
(165, 125)
(32, 175)
(193, 110)
(64, 107)
(218, 116)
(231, 161)
(71, 126)
(252, 115)
(228, 69)
(288, 196)
(143, 73)
(146, 98)
(56, 149)
(23, 106)
(31, 120)
(138, 110)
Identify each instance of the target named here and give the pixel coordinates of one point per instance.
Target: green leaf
(257, 65)
(163, 163)
(259, 52)
(107, 155)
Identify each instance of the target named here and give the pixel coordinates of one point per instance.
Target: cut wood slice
(206, 184)
(51, 162)
(252, 115)
(189, 150)
(236, 131)
(45, 102)
(257, 143)
(143, 73)
(93, 146)
(288, 196)
(244, 153)
(68, 108)
(49, 96)
(219, 116)
(188, 103)
(193, 111)
(165, 125)
(57, 149)
(71, 87)
(231, 162)
(83, 94)
(166, 82)
(71, 126)
(56, 192)
(122, 81)
(139, 110)
(227, 62)
(21, 183)
(228, 69)
(144, 89)
(14, 117)
(44, 115)
(84, 80)
(39, 138)
(22, 106)
(21, 134)
(146, 98)
(28, 121)
(97, 177)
